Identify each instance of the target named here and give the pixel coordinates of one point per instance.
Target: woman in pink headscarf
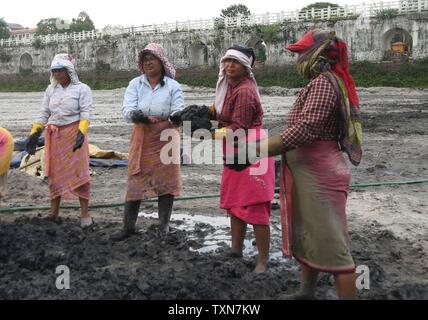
(152, 102)
(322, 124)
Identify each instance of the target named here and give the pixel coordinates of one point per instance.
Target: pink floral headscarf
(159, 52)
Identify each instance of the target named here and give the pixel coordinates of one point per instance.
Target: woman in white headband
(245, 194)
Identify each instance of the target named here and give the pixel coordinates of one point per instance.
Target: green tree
(235, 10)
(319, 5)
(47, 26)
(4, 29)
(82, 23)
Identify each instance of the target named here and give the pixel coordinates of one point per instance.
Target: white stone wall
(366, 38)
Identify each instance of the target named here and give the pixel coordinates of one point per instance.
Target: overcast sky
(130, 12)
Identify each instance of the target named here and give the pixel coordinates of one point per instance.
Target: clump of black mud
(199, 116)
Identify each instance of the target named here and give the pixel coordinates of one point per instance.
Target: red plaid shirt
(313, 116)
(242, 107)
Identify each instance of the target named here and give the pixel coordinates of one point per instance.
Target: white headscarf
(221, 88)
(67, 61)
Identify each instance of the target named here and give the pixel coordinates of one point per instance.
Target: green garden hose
(209, 196)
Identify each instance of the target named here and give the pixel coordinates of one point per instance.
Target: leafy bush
(37, 43)
(269, 33)
(385, 14)
(5, 57)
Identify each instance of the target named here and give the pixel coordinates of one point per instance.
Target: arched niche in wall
(198, 54)
(26, 63)
(103, 58)
(397, 44)
(259, 47)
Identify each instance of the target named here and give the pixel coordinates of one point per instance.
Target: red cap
(305, 42)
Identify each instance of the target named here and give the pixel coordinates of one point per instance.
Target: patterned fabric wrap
(67, 171)
(321, 52)
(314, 187)
(6, 150)
(159, 52)
(148, 176)
(67, 61)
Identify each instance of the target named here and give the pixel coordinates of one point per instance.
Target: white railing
(369, 10)
(27, 39)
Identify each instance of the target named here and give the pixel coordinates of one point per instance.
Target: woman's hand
(31, 145)
(79, 140)
(137, 116)
(247, 154)
(250, 152)
(175, 118)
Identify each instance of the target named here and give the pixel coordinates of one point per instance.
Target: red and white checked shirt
(242, 107)
(314, 115)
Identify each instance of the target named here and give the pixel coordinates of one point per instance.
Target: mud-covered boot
(165, 203)
(129, 219)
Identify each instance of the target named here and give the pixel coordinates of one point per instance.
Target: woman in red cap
(323, 122)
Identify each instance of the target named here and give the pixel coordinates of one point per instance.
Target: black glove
(232, 161)
(137, 116)
(79, 140)
(175, 118)
(31, 144)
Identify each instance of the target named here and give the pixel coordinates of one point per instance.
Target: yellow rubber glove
(36, 127)
(83, 126)
(219, 133)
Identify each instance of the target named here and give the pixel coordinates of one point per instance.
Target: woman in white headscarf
(65, 114)
(245, 194)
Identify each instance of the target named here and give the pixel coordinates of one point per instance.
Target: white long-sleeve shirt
(62, 106)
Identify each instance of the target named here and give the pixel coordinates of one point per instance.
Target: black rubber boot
(165, 203)
(129, 219)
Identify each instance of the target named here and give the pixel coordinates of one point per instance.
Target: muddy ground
(388, 224)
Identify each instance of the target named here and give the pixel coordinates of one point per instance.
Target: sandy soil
(388, 224)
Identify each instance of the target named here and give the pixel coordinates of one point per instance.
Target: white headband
(238, 55)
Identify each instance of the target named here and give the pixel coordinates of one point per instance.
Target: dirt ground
(388, 224)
